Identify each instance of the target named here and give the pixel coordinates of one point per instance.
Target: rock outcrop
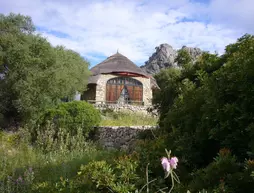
(194, 52)
(164, 57)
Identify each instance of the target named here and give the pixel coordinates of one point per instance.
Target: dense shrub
(224, 174)
(71, 116)
(205, 107)
(120, 176)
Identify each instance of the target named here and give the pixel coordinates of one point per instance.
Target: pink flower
(19, 179)
(165, 164)
(173, 162)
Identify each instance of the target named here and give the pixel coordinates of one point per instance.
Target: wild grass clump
(125, 118)
(60, 162)
(40, 166)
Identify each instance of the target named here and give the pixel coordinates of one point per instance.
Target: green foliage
(36, 75)
(49, 165)
(23, 183)
(230, 99)
(71, 116)
(206, 107)
(16, 23)
(224, 174)
(49, 140)
(183, 57)
(150, 151)
(164, 98)
(117, 177)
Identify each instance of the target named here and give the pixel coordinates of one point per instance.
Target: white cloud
(137, 27)
(235, 14)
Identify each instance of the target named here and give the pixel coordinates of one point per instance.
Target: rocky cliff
(164, 57)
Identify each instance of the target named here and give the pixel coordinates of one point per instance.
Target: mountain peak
(164, 57)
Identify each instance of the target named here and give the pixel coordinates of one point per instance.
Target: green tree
(36, 75)
(209, 106)
(164, 98)
(183, 57)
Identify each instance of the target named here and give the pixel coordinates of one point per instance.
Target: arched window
(124, 89)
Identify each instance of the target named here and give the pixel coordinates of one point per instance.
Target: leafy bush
(117, 177)
(224, 174)
(71, 116)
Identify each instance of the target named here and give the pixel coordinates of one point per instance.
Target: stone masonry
(146, 110)
(120, 137)
(101, 88)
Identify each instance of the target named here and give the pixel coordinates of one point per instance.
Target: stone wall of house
(147, 91)
(120, 137)
(101, 88)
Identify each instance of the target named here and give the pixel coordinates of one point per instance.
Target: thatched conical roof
(117, 63)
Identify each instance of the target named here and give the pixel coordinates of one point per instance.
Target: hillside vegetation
(206, 113)
(206, 120)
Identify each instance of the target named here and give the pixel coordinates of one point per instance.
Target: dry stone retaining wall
(126, 107)
(120, 137)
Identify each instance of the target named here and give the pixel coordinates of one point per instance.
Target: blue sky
(96, 29)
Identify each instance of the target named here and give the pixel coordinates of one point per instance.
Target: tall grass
(47, 160)
(127, 119)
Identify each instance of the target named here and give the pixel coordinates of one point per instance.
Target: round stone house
(118, 80)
